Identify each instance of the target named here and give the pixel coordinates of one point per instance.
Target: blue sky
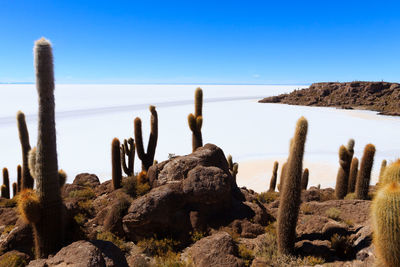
(234, 42)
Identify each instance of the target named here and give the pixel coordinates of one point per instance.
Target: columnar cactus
(116, 164)
(350, 148)
(6, 183)
(19, 178)
(364, 174)
(233, 167)
(386, 224)
(147, 158)
(342, 178)
(196, 120)
(27, 180)
(282, 177)
(304, 179)
(272, 183)
(353, 175)
(128, 150)
(291, 191)
(43, 209)
(32, 162)
(383, 166)
(15, 189)
(391, 174)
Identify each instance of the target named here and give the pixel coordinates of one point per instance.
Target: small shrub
(85, 193)
(86, 205)
(12, 260)
(306, 208)
(108, 236)
(142, 189)
(350, 196)
(267, 197)
(342, 245)
(158, 247)
(196, 236)
(80, 219)
(8, 203)
(271, 228)
(333, 213)
(312, 260)
(8, 229)
(246, 254)
(129, 185)
(171, 259)
(348, 222)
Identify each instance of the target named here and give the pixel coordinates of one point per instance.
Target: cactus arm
(27, 180)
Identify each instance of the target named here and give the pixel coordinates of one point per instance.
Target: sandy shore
(256, 174)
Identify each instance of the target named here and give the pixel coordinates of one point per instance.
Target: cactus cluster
(196, 120)
(128, 150)
(291, 191)
(233, 167)
(342, 179)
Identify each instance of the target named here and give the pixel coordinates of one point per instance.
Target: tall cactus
(342, 178)
(27, 180)
(391, 174)
(386, 224)
(46, 212)
(15, 189)
(304, 179)
(233, 167)
(128, 150)
(383, 166)
(364, 174)
(291, 191)
(19, 178)
(353, 175)
(147, 158)
(272, 183)
(116, 164)
(6, 183)
(196, 120)
(282, 177)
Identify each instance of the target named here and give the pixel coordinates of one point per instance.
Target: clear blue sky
(262, 42)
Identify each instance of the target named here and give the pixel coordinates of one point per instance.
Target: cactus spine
(383, 166)
(272, 183)
(304, 179)
(128, 149)
(391, 174)
(233, 167)
(353, 175)
(44, 209)
(386, 224)
(27, 180)
(196, 120)
(147, 158)
(6, 183)
(364, 174)
(291, 191)
(19, 178)
(342, 178)
(116, 164)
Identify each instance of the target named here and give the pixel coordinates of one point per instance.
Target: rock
(216, 250)
(19, 238)
(14, 258)
(317, 248)
(8, 216)
(86, 179)
(85, 254)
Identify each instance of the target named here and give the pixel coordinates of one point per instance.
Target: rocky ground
(190, 212)
(377, 96)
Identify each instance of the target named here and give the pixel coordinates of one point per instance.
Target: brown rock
(86, 179)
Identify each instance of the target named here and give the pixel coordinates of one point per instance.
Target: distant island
(382, 97)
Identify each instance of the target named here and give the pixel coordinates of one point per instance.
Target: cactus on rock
(196, 120)
(291, 191)
(128, 150)
(233, 167)
(116, 164)
(272, 183)
(27, 180)
(364, 173)
(147, 158)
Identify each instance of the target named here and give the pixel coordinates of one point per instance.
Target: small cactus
(15, 189)
(128, 150)
(350, 148)
(27, 180)
(233, 167)
(353, 175)
(364, 173)
(6, 183)
(147, 158)
(342, 178)
(196, 120)
(304, 179)
(291, 191)
(391, 173)
(19, 178)
(386, 223)
(274, 176)
(282, 177)
(116, 164)
(383, 166)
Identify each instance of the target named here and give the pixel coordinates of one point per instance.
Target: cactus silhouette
(386, 224)
(196, 120)
(27, 180)
(364, 173)
(19, 178)
(304, 179)
(233, 167)
(342, 178)
(6, 184)
(116, 164)
(147, 158)
(128, 150)
(272, 183)
(391, 173)
(291, 191)
(353, 175)
(46, 204)
(383, 166)
(14, 188)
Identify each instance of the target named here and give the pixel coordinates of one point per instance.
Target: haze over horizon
(224, 42)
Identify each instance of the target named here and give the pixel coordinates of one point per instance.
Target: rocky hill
(377, 96)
